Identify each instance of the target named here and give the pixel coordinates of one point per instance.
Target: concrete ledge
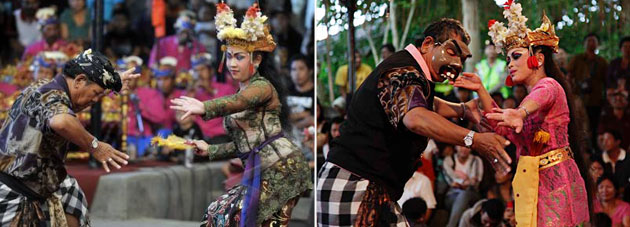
(173, 192)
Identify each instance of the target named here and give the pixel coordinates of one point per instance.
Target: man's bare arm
(430, 124)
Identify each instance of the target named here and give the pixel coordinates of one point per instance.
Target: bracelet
(526, 112)
(463, 105)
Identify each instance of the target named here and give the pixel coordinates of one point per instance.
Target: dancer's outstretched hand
(188, 105)
(512, 118)
(492, 147)
(469, 81)
(202, 147)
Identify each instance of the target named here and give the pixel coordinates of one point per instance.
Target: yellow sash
(525, 183)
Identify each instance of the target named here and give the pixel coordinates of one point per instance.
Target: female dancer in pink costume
(548, 187)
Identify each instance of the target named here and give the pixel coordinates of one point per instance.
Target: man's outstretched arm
(70, 128)
(430, 124)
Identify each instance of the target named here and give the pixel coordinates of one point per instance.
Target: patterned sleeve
(222, 151)
(53, 102)
(400, 90)
(544, 93)
(257, 93)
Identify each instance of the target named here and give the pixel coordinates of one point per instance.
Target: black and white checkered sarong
(339, 196)
(72, 198)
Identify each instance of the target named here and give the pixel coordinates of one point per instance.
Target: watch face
(468, 141)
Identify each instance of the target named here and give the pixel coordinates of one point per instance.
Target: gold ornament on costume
(517, 34)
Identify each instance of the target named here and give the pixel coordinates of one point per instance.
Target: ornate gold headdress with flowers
(253, 35)
(517, 34)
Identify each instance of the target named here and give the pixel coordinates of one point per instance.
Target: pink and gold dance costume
(548, 187)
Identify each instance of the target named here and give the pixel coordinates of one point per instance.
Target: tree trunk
(386, 30)
(368, 33)
(625, 13)
(412, 9)
(471, 24)
(392, 23)
(331, 93)
(351, 6)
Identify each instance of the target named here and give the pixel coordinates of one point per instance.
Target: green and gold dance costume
(251, 117)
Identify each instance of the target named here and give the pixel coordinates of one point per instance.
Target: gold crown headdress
(517, 34)
(253, 35)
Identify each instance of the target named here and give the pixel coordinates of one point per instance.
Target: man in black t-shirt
(390, 118)
(301, 96)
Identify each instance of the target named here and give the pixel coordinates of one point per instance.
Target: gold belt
(554, 157)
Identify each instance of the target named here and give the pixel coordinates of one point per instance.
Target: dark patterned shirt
(29, 149)
(374, 143)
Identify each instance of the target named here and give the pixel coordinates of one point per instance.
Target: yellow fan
(172, 141)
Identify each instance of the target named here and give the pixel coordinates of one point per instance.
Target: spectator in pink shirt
(206, 89)
(146, 108)
(51, 34)
(165, 76)
(608, 202)
(182, 46)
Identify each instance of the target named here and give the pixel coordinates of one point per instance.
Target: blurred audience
(614, 157)
(387, 50)
(419, 186)
(486, 213)
(76, 22)
(617, 117)
(181, 46)
(609, 203)
(587, 73)
(361, 70)
(50, 33)
(493, 71)
(415, 211)
(618, 67)
(601, 220)
(463, 173)
(207, 88)
(120, 40)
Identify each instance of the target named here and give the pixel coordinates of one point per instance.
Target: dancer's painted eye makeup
(238, 55)
(514, 56)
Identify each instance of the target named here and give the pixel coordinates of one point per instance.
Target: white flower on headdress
(224, 18)
(498, 33)
(516, 21)
(254, 27)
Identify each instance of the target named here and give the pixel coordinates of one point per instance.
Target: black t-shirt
(621, 173)
(374, 143)
(301, 101)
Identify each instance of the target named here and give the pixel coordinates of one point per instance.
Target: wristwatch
(468, 140)
(94, 143)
